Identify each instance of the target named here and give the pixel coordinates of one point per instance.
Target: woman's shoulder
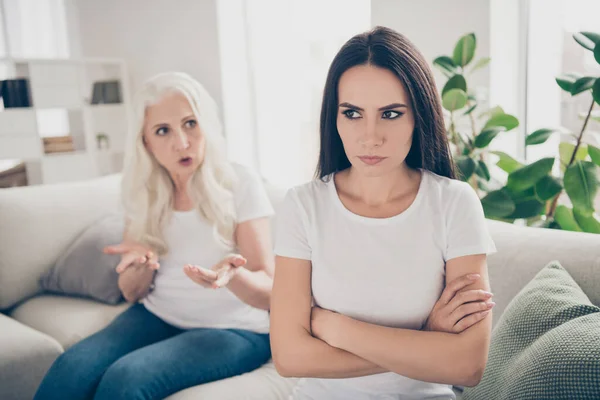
(309, 194)
(311, 190)
(447, 187)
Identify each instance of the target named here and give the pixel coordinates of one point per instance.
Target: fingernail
(488, 294)
(491, 304)
(473, 276)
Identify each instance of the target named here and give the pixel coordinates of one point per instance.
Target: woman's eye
(351, 114)
(389, 114)
(191, 123)
(162, 131)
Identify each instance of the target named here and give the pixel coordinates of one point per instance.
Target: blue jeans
(139, 356)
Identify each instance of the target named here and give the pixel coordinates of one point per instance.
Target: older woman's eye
(163, 130)
(191, 123)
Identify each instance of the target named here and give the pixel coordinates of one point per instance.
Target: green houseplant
(531, 192)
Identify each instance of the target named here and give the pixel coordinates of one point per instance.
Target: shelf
(61, 90)
(18, 122)
(65, 154)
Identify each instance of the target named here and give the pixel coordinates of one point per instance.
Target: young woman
(385, 236)
(185, 203)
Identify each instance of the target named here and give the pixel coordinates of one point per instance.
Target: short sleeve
(467, 231)
(291, 239)
(251, 199)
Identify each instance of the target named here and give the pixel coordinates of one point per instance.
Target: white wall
(153, 36)
(434, 26)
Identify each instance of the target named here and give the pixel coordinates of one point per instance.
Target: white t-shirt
(178, 300)
(385, 271)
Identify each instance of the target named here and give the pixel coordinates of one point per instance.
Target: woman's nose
(181, 141)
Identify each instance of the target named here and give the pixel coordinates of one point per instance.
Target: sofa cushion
(39, 223)
(26, 356)
(523, 252)
(84, 270)
(66, 319)
(546, 344)
(263, 383)
(70, 319)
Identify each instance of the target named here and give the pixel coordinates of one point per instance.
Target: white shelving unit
(61, 93)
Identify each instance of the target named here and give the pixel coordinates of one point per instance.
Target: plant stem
(579, 138)
(587, 118)
(472, 120)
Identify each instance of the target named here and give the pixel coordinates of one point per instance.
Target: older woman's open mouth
(186, 161)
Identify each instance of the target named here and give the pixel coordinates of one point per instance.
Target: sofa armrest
(26, 357)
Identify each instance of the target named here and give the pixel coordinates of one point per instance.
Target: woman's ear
(145, 142)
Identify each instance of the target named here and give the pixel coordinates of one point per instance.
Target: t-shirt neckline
(377, 221)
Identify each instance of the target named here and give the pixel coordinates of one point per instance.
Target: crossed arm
(324, 344)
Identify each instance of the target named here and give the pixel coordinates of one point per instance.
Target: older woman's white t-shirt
(181, 302)
(385, 271)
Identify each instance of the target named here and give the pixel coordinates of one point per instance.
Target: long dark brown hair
(385, 48)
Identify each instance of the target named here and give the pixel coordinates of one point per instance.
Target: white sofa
(38, 223)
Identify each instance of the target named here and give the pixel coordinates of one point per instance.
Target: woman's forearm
(306, 356)
(253, 288)
(456, 359)
(135, 282)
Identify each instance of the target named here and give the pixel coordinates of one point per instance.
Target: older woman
(201, 313)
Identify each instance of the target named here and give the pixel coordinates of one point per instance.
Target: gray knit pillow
(546, 344)
(84, 270)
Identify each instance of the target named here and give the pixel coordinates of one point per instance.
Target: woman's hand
(133, 255)
(458, 310)
(136, 269)
(219, 275)
(454, 312)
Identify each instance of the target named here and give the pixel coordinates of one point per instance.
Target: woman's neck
(375, 191)
(182, 201)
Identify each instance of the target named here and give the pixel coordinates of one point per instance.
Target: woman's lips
(371, 160)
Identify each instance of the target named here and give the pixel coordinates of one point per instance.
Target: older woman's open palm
(219, 275)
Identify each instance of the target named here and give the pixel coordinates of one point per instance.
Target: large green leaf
(540, 136)
(506, 120)
(596, 91)
(482, 170)
(487, 135)
(582, 84)
(446, 65)
(566, 81)
(565, 151)
(588, 223)
(594, 154)
(564, 216)
(482, 62)
(497, 204)
(587, 39)
(464, 50)
(506, 162)
(597, 53)
(527, 209)
(454, 99)
(466, 167)
(492, 112)
(520, 196)
(581, 184)
(527, 176)
(456, 82)
(548, 187)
